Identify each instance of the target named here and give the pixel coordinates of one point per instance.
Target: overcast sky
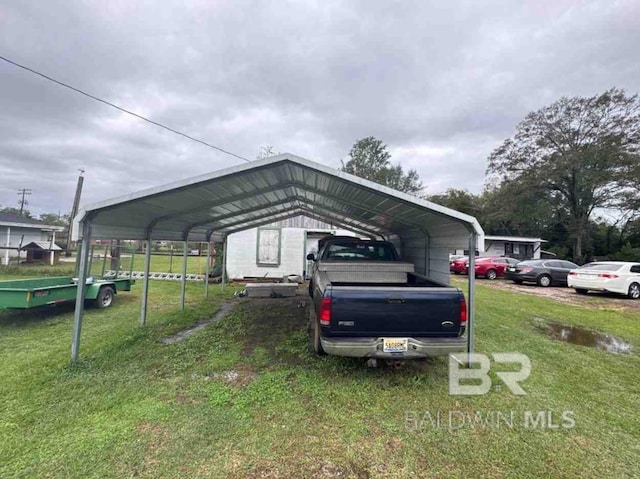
(441, 83)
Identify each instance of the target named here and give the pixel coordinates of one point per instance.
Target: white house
(17, 231)
(276, 250)
(518, 247)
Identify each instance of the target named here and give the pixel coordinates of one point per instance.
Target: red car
(458, 265)
(492, 267)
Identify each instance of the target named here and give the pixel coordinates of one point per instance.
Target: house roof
(519, 239)
(216, 204)
(43, 245)
(10, 219)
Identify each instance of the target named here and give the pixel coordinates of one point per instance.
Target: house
(18, 231)
(517, 247)
(277, 250)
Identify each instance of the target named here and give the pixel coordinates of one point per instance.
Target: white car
(610, 276)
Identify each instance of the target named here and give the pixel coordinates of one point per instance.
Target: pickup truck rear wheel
(315, 346)
(105, 297)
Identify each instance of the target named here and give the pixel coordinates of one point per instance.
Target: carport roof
(216, 204)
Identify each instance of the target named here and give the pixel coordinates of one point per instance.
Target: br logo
(458, 372)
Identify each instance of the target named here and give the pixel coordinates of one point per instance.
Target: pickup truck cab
(368, 303)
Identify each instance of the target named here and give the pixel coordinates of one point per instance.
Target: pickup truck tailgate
(395, 311)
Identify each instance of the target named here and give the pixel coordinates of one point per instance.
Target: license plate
(511, 268)
(586, 276)
(394, 345)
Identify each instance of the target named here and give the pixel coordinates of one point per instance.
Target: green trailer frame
(33, 293)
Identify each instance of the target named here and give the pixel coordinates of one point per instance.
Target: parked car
(368, 303)
(543, 272)
(457, 265)
(610, 276)
(492, 267)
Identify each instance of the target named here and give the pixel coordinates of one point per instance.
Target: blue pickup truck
(368, 303)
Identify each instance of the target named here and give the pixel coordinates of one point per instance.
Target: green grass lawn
(159, 264)
(243, 397)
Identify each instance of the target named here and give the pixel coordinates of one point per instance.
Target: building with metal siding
(17, 231)
(292, 247)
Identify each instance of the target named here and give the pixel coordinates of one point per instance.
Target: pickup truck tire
(105, 297)
(315, 346)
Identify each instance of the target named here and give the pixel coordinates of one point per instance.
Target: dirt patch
(328, 470)
(239, 377)
(225, 308)
(157, 437)
(272, 325)
(568, 295)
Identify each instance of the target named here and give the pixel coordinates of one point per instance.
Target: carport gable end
(215, 205)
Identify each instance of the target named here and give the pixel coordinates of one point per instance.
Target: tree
(460, 200)
(370, 159)
(16, 211)
(54, 219)
(578, 152)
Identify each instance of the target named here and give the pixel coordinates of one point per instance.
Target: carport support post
(224, 263)
(206, 271)
(145, 282)
(183, 284)
(83, 262)
(472, 292)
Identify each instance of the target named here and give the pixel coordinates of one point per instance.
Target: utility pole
(74, 211)
(22, 192)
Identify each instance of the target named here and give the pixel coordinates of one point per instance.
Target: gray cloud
(441, 84)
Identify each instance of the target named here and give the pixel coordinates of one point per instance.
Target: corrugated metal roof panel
(43, 245)
(269, 190)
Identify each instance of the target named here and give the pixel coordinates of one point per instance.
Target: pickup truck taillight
(463, 313)
(325, 312)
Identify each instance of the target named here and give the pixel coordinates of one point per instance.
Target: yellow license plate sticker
(394, 345)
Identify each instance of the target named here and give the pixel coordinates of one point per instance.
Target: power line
(77, 90)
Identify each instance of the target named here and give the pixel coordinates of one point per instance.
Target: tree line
(570, 174)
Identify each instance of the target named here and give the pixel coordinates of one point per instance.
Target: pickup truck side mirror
(311, 257)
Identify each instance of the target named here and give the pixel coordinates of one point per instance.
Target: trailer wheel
(315, 346)
(105, 297)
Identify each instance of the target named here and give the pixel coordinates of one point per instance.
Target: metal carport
(215, 205)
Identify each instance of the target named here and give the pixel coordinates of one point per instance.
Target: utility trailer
(32, 293)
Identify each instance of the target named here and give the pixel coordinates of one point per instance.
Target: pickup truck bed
(383, 309)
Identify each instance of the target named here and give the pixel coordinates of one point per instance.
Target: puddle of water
(583, 337)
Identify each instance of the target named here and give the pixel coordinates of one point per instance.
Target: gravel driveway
(564, 295)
